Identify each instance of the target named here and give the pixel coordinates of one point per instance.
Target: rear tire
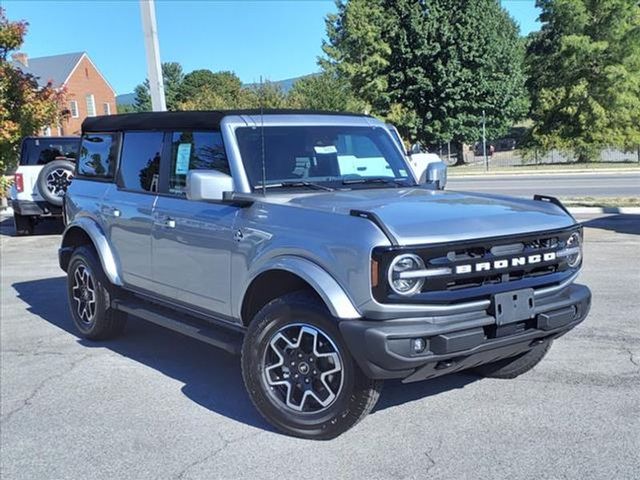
(24, 224)
(90, 293)
(299, 373)
(515, 366)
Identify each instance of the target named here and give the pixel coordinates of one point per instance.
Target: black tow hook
(444, 364)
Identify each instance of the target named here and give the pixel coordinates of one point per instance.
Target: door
(127, 208)
(193, 241)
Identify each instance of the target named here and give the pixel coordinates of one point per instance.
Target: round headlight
(574, 242)
(405, 263)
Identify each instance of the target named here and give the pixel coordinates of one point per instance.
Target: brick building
(87, 91)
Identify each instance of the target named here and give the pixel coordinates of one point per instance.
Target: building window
(91, 106)
(106, 108)
(73, 107)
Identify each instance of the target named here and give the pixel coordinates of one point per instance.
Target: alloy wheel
(84, 294)
(303, 369)
(58, 181)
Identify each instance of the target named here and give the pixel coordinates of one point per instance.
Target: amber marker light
(374, 273)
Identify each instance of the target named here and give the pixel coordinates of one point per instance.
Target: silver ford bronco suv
(303, 241)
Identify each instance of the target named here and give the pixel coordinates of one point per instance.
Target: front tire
(89, 293)
(299, 373)
(515, 366)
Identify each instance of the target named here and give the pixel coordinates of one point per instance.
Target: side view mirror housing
(208, 185)
(436, 173)
(415, 148)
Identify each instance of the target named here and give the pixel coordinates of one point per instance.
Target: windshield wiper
(389, 181)
(296, 184)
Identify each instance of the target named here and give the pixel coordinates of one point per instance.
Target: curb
(619, 210)
(618, 171)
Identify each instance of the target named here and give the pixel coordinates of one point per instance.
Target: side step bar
(187, 325)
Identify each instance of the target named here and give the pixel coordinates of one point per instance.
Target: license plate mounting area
(514, 306)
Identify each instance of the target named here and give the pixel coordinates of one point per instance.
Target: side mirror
(415, 148)
(436, 173)
(207, 184)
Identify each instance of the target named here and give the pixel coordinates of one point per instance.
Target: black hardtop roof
(201, 119)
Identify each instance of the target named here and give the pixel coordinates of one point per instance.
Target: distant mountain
(126, 99)
(286, 85)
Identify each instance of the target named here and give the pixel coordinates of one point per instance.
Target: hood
(421, 216)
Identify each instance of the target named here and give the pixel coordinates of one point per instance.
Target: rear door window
(98, 156)
(140, 161)
(40, 151)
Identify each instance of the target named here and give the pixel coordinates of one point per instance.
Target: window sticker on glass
(326, 150)
(182, 158)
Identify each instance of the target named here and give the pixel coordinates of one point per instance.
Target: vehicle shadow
(46, 226)
(212, 378)
(621, 223)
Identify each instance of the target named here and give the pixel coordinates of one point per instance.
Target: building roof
(206, 120)
(55, 68)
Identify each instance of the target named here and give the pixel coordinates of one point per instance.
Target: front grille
(472, 266)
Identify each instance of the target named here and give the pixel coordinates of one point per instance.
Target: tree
(584, 76)
(172, 76)
(204, 89)
(325, 91)
(265, 95)
(126, 108)
(431, 66)
(25, 107)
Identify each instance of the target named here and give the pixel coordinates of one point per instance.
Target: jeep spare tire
(54, 179)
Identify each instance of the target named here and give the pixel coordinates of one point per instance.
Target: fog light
(418, 345)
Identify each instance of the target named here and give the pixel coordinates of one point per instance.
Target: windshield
(336, 157)
(39, 151)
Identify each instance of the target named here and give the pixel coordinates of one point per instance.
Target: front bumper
(36, 209)
(383, 349)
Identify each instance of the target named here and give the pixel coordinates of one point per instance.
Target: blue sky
(276, 39)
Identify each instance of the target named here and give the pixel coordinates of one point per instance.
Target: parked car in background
(44, 172)
(419, 158)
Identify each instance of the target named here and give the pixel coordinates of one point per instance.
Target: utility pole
(154, 68)
(484, 143)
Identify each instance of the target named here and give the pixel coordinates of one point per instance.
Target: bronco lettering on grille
(505, 263)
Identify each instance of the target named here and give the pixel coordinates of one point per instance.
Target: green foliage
(25, 108)
(584, 76)
(432, 66)
(358, 48)
(172, 76)
(325, 91)
(206, 90)
(266, 95)
(126, 108)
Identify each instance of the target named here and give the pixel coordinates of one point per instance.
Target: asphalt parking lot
(156, 405)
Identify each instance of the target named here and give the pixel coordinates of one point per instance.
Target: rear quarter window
(40, 151)
(98, 156)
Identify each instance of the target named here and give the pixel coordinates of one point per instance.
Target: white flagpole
(154, 68)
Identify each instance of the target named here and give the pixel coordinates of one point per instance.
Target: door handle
(111, 211)
(167, 223)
